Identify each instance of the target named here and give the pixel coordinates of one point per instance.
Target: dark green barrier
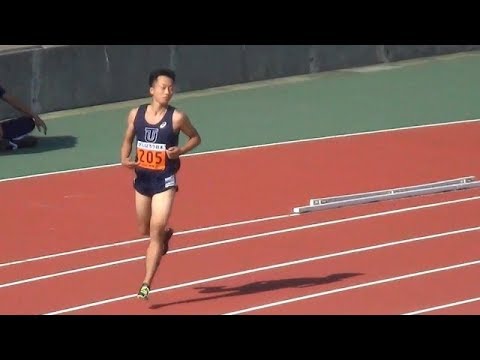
(59, 77)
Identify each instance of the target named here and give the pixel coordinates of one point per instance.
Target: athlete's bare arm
(182, 122)
(126, 148)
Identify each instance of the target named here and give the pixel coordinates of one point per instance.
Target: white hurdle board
(388, 194)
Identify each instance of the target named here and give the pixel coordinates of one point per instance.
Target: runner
(156, 126)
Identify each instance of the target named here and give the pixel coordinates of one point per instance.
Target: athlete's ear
(151, 91)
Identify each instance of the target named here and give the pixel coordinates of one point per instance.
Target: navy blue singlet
(156, 171)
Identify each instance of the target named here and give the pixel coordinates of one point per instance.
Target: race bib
(151, 156)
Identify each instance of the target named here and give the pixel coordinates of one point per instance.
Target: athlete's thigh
(143, 206)
(162, 204)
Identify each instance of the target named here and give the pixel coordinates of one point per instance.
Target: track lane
(232, 294)
(177, 268)
(59, 208)
(217, 237)
(461, 306)
(391, 298)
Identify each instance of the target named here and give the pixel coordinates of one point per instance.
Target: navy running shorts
(149, 184)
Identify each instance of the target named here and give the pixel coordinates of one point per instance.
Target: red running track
(182, 267)
(11, 272)
(78, 209)
(59, 229)
(471, 308)
(231, 294)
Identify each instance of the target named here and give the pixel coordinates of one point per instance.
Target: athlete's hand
(40, 124)
(174, 152)
(129, 163)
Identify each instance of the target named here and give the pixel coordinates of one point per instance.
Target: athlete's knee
(157, 228)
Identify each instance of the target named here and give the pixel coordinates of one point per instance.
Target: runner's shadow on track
(260, 286)
(45, 143)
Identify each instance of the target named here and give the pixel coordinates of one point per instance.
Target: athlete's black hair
(161, 72)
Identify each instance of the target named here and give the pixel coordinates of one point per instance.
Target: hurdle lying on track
(388, 194)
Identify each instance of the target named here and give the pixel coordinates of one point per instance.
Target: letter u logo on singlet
(151, 134)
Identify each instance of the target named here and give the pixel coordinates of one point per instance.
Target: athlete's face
(162, 90)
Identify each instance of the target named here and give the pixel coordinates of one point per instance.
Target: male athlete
(14, 132)
(156, 126)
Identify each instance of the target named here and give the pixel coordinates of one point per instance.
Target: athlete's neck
(158, 108)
